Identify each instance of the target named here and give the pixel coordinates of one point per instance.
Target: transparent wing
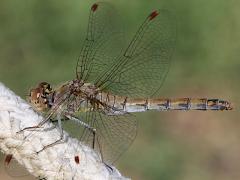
(13, 168)
(17, 171)
(114, 134)
(136, 71)
(142, 68)
(104, 42)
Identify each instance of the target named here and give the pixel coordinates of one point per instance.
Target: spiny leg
(108, 167)
(94, 136)
(85, 125)
(29, 128)
(61, 134)
(79, 121)
(37, 126)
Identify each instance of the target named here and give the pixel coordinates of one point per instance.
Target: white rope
(55, 162)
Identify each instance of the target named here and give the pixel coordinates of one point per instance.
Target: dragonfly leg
(29, 128)
(61, 134)
(59, 141)
(108, 167)
(34, 127)
(94, 136)
(60, 124)
(80, 122)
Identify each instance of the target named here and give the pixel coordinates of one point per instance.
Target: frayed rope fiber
(67, 160)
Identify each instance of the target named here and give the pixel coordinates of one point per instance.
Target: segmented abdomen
(138, 105)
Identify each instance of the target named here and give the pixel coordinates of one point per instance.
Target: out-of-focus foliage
(40, 41)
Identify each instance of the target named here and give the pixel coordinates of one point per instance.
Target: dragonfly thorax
(90, 90)
(78, 87)
(75, 86)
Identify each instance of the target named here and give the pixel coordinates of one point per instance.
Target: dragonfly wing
(104, 42)
(114, 134)
(142, 68)
(136, 71)
(13, 168)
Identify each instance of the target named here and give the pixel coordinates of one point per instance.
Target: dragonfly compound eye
(39, 98)
(45, 88)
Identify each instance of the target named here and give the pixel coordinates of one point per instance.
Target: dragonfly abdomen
(140, 105)
(188, 104)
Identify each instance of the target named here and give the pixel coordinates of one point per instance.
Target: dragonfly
(114, 81)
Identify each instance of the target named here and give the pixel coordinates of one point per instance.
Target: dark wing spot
(8, 158)
(94, 7)
(76, 158)
(153, 15)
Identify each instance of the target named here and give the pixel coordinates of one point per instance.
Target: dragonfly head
(225, 105)
(229, 106)
(41, 96)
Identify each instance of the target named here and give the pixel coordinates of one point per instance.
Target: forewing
(142, 68)
(104, 42)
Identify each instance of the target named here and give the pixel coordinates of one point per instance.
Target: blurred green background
(40, 41)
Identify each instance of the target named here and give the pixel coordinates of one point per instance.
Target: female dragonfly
(113, 82)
